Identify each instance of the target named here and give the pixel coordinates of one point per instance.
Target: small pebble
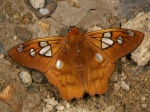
(40, 11)
(38, 77)
(115, 22)
(144, 105)
(68, 105)
(23, 33)
(94, 28)
(25, 77)
(114, 77)
(16, 16)
(49, 107)
(60, 107)
(2, 18)
(143, 98)
(1, 48)
(1, 55)
(74, 3)
(123, 59)
(44, 93)
(116, 87)
(45, 110)
(8, 63)
(37, 3)
(44, 11)
(27, 18)
(110, 109)
(32, 89)
(15, 37)
(125, 86)
(51, 101)
(44, 26)
(81, 109)
(123, 76)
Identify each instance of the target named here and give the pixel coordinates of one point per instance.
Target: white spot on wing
(107, 35)
(32, 52)
(43, 44)
(106, 42)
(49, 53)
(20, 48)
(45, 50)
(131, 33)
(98, 57)
(120, 40)
(59, 64)
(104, 45)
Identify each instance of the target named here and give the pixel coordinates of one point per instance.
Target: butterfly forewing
(115, 43)
(37, 53)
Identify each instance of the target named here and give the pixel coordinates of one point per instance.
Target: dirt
(135, 97)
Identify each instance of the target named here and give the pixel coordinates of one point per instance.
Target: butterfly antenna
(85, 16)
(58, 21)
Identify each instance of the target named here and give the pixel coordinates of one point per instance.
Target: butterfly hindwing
(66, 80)
(115, 43)
(97, 71)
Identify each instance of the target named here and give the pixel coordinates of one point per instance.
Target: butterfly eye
(98, 57)
(72, 28)
(69, 30)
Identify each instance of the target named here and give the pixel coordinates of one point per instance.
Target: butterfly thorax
(76, 40)
(75, 36)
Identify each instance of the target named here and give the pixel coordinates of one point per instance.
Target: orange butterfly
(80, 63)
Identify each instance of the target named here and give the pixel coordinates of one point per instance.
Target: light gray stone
(15, 37)
(93, 28)
(49, 107)
(44, 11)
(51, 101)
(25, 77)
(37, 3)
(124, 85)
(60, 107)
(141, 23)
(110, 109)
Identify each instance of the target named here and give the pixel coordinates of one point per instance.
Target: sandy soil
(31, 97)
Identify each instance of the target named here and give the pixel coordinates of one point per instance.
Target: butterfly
(80, 62)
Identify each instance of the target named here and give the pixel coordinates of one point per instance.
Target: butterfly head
(75, 35)
(72, 29)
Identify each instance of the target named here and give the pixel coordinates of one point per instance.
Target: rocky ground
(26, 90)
